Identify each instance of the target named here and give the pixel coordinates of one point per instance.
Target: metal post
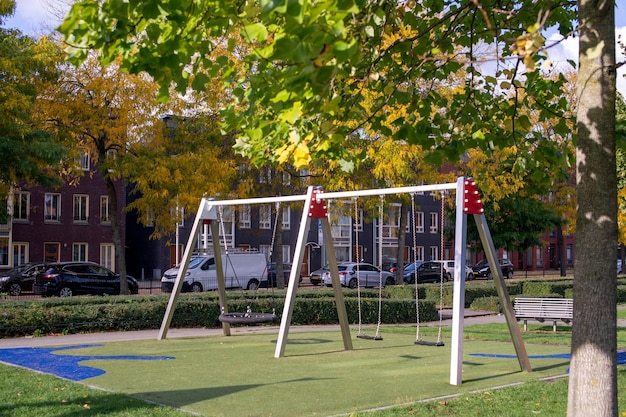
(458, 303)
(503, 293)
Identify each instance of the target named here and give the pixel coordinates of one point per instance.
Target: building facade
(71, 223)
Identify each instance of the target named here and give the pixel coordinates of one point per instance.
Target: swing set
(315, 208)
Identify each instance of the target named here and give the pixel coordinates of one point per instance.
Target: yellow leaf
(301, 156)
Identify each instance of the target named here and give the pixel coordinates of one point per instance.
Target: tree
(593, 375)
(107, 113)
(312, 65)
(518, 223)
(30, 155)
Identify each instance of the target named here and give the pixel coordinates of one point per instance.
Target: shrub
(90, 314)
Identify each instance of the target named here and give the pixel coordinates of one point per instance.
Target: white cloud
(560, 50)
(35, 17)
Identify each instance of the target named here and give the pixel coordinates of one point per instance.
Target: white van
(241, 270)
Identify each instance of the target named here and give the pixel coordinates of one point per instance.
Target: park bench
(542, 309)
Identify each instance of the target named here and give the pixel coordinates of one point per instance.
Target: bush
(107, 313)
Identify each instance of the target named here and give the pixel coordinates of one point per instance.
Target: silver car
(362, 274)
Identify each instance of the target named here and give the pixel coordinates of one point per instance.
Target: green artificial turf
(239, 376)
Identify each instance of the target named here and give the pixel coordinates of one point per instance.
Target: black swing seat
(425, 343)
(366, 337)
(247, 318)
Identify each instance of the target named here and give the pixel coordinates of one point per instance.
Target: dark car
(271, 275)
(408, 272)
(316, 276)
(482, 269)
(20, 278)
(66, 279)
(428, 272)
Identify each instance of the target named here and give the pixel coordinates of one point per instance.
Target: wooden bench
(542, 309)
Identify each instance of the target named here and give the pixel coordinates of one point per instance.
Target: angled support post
(205, 212)
(503, 292)
(314, 208)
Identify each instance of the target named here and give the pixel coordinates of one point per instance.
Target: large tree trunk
(120, 255)
(593, 372)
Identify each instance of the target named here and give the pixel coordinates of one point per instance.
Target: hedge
(107, 313)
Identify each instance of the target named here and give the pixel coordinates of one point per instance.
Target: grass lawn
(238, 376)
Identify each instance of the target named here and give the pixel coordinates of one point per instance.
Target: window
(84, 161)
(79, 252)
(4, 251)
(107, 255)
(570, 254)
(265, 216)
(419, 253)
(51, 251)
(266, 250)
(81, 208)
(105, 216)
(52, 207)
(434, 222)
(286, 224)
(21, 206)
(286, 253)
(265, 176)
(244, 217)
(391, 224)
(434, 253)
(419, 222)
(20, 253)
(286, 178)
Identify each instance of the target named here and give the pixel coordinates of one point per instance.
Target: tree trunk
(593, 371)
(120, 255)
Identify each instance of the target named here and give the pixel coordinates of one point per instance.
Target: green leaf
(255, 32)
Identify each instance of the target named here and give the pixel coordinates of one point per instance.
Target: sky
(34, 17)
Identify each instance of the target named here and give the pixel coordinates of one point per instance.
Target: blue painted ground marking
(63, 366)
(621, 356)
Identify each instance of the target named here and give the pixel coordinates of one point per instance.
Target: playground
(324, 372)
(238, 375)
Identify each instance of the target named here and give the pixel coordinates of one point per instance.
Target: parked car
(245, 270)
(66, 279)
(368, 275)
(20, 278)
(449, 266)
(431, 271)
(271, 275)
(482, 269)
(409, 271)
(316, 276)
(619, 267)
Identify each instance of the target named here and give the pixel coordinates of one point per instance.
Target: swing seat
(247, 318)
(425, 343)
(366, 337)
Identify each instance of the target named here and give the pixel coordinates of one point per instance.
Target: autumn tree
(107, 113)
(30, 155)
(312, 65)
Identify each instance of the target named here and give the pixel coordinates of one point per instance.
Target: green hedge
(92, 314)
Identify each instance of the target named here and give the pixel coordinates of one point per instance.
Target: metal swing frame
(315, 208)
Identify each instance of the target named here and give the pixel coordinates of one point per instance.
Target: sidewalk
(471, 317)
